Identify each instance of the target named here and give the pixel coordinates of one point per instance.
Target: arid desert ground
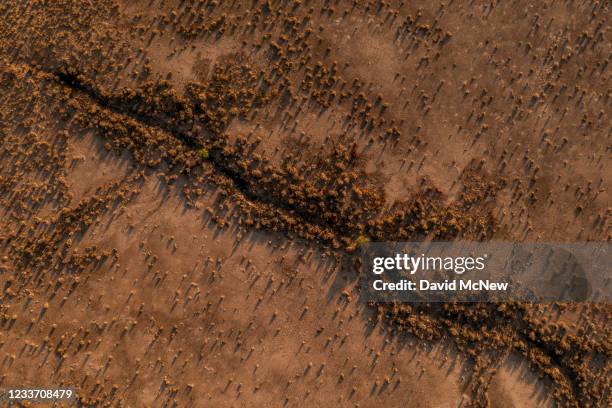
(185, 187)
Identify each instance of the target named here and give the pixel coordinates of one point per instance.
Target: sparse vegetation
(311, 137)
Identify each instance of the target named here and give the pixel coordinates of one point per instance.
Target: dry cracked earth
(185, 187)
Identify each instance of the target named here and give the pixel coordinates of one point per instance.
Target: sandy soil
(144, 262)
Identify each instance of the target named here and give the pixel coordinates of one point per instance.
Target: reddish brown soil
(184, 186)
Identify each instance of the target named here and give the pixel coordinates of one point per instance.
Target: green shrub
(361, 240)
